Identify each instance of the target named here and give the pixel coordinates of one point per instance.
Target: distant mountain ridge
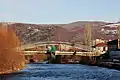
(72, 32)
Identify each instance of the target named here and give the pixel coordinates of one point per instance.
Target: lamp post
(118, 35)
(49, 29)
(59, 42)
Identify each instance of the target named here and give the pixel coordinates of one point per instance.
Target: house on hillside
(101, 47)
(110, 29)
(97, 41)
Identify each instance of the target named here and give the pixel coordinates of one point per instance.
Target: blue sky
(59, 11)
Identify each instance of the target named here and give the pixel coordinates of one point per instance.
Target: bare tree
(11, 59)
(88, 36)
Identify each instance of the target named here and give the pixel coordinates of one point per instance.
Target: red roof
(101, 45)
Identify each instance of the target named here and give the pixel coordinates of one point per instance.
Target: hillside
(30, 33)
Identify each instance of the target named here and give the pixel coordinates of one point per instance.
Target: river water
(63, 72)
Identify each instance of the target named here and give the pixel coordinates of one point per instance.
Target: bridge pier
(28, 58)
(57, 59)
(35, 58)
(54, 59)
(88, 59)
(84, 59)
(92, 59)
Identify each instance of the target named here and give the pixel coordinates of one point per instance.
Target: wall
(114, 54)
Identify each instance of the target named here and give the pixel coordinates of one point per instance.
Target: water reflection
(63, 72)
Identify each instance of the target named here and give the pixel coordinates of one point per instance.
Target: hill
(30, 33)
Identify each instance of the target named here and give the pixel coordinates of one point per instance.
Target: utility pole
(88, 36)
(49, 31)
(118, 35)
(59, 41)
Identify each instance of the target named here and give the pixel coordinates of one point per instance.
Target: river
(63, 72)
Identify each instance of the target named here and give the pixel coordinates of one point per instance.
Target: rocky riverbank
(112, 65)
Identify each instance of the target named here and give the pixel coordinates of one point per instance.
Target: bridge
(34, 50)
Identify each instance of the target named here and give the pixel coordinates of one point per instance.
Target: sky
(59, 11)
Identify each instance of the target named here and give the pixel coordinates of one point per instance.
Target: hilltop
(30, 33)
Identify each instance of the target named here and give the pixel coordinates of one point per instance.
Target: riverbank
(111, 65)
(10, 71)
(105, 64)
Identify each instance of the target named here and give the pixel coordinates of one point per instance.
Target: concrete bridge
(34, 50)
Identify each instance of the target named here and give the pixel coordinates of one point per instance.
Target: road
(63, 72)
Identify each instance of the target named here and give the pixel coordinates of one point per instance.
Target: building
(113, 49)
(101, 47)
(112, 45)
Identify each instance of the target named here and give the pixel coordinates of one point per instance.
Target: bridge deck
(64, 53)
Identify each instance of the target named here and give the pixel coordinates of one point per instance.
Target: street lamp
(49, 29)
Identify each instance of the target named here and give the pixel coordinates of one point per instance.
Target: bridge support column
(54, 59)
(28, 58)
(87, 59)
(58, 59)
(84, 59)
(93, 59)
